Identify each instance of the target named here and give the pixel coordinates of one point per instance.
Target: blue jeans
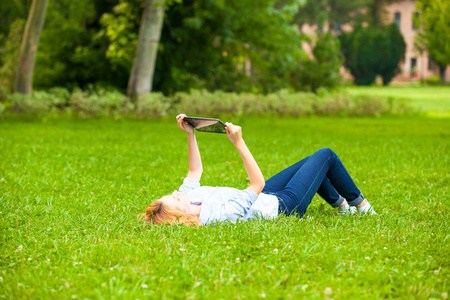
(322, 173)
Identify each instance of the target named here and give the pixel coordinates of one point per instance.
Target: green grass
(70, 192)
(426, 99)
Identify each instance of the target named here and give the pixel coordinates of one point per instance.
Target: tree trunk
(28, 48)
(141, 76)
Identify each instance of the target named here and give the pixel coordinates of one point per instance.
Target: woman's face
(177, 201)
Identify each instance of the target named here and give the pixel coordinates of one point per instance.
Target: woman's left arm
(195, 160)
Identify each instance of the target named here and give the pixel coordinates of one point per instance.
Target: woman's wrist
(239, 142)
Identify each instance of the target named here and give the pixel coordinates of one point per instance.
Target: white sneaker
(347, 210)
(366, 209)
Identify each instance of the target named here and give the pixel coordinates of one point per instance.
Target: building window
(397, 19)
(415, 18)
(430, 63)
(413, 69)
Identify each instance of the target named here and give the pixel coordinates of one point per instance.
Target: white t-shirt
(223, 203)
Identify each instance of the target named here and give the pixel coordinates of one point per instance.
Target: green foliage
(71, 190)
(204, 45)
(99, 103)
(321, 71)
(432, 80)
(153, 105)
(436, 81)
(71, 50)
(333, 12)
(58, 100)
(9, 54)
(392, 50)
(121, 27)
(39, 103)
(434, 18)
(203, 103)
(371, 51)
(376, 13)
(10, 11)
(286, 104)
(4, 92)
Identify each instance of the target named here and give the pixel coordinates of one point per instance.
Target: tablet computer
(206, 124)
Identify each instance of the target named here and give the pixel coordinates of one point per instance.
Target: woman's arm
(195, 160)
(257, 182)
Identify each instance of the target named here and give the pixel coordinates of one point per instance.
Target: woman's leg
(299, 191)
(279, 181)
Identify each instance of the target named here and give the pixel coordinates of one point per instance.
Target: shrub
(4, 92)
(39, 102)
(204, 103)
(153, 105)
(435, 81)
(207, 103)
(62, 94)
(2, 109)
(99, 103)
(284, 103)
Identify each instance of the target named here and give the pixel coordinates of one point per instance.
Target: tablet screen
(206, 124)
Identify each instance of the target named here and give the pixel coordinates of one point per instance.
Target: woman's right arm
(255, 175)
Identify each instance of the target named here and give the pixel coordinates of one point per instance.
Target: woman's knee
(326, 151)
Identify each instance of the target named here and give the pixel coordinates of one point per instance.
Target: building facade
(416, 65)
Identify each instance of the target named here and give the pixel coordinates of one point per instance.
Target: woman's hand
(183, 125)
(234, 132)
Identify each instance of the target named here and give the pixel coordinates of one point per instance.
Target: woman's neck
(195, 210)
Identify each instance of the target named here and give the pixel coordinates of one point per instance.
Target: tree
(141, 76)
(30, 42)
(72, 45)
(358, 48)
(209, 44)
(371, 51)
(323, 69)
(391, 51)
(204, 44)
(10, 11)
(73, 48)
(434, 18)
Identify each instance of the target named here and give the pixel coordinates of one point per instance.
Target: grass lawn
(70, 192)
(426, 99)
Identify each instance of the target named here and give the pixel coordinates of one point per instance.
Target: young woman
(288, 192)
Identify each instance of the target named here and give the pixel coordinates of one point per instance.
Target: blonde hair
(159, 213)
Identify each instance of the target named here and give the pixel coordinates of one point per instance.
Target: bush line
(59, 101)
